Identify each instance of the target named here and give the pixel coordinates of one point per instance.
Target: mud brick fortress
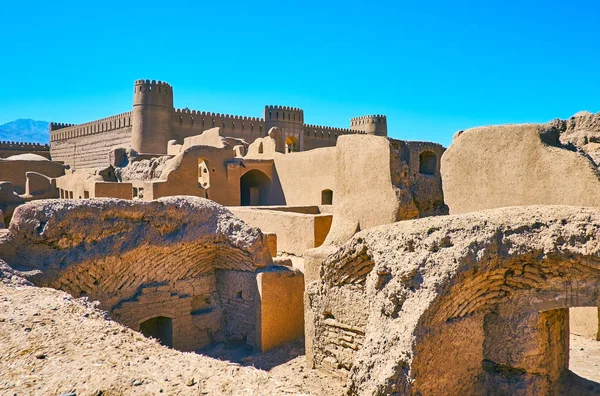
(154, 122)
(400, 267)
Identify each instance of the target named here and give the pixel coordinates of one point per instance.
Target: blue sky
(433, 67)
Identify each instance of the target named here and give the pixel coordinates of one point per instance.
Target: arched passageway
(160, 328)
(254, 188)
(292, 144)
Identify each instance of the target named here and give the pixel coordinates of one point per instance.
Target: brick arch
(458, 304)
(176, 257)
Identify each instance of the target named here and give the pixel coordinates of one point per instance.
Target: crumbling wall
(404, 295)
(143, 260)
(510, 165)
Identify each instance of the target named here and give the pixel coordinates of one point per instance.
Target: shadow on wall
(255, 188)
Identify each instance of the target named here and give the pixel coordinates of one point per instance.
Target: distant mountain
(30, 131)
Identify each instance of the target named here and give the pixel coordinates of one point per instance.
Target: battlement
(355, 121)
(371, 124)
(23, 146)
(68, 131)
(283, 114)
(326, 132)
(53, 126)
(181, 112)
(153, 86)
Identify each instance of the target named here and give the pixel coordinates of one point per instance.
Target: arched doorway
(292, 144)
(254, 188)
(160, 328)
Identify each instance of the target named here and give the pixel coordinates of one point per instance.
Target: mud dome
(183, 270)
(466, 304)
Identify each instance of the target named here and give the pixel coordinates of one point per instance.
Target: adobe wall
(296, 232)
(393, 304)
(180, 176)
(510, 165)
(8, 149)
(88, 145)
(14, 171)
(183, 258)
(281, 291)
(303, 176)
(186, 123)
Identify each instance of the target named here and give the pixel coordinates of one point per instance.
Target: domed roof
(27, 157)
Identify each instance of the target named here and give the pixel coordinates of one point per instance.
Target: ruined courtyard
(179, 251)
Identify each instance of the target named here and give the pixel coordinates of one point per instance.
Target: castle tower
(371, 124)
(291, 122)
(151, 116)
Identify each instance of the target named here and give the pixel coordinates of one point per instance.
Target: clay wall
(511, 165)
(317, 136)
(296, 232)
(240, 300)
(8, 149)
(304, 176)
(191, 304)
(88, 145)
(14, 171)
(281, 293)
(186, 123)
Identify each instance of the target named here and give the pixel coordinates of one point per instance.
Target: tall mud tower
(371, 124)
(151, 116)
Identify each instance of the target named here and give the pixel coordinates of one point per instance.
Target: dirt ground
(585, 357)
(52, 344)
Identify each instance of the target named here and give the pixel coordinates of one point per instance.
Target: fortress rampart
(88, 145)
(8, 149)
(153, 122)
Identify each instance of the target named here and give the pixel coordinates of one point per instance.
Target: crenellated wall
(88, 145)
(8, 149)
(371, 124)
(154, 122)
(186, 123)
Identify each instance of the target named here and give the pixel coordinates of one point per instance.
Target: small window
(326, 197)
(427, 163)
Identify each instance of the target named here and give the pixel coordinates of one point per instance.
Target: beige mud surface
(52, 344)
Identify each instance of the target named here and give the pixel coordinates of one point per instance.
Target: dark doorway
(427, 163)
(254, 188)
(160, 328)
(326, 197)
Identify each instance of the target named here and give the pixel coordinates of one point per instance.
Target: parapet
(53, 126)
(283, 114)
(152, 92)
(23, 146)
(371, 124)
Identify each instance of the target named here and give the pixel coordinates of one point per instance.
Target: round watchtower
(371, 124)
(151, 116)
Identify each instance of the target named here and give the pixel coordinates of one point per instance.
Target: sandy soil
(585, 357)
(52, 344)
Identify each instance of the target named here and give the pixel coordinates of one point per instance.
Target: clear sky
(433, 67)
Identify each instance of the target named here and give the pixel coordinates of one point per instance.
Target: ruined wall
(296, 232)
(143, 260)
(8, 149)
(304, 176)
(509, 165)
(402, 297)
(88, 145)
(15, 171)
